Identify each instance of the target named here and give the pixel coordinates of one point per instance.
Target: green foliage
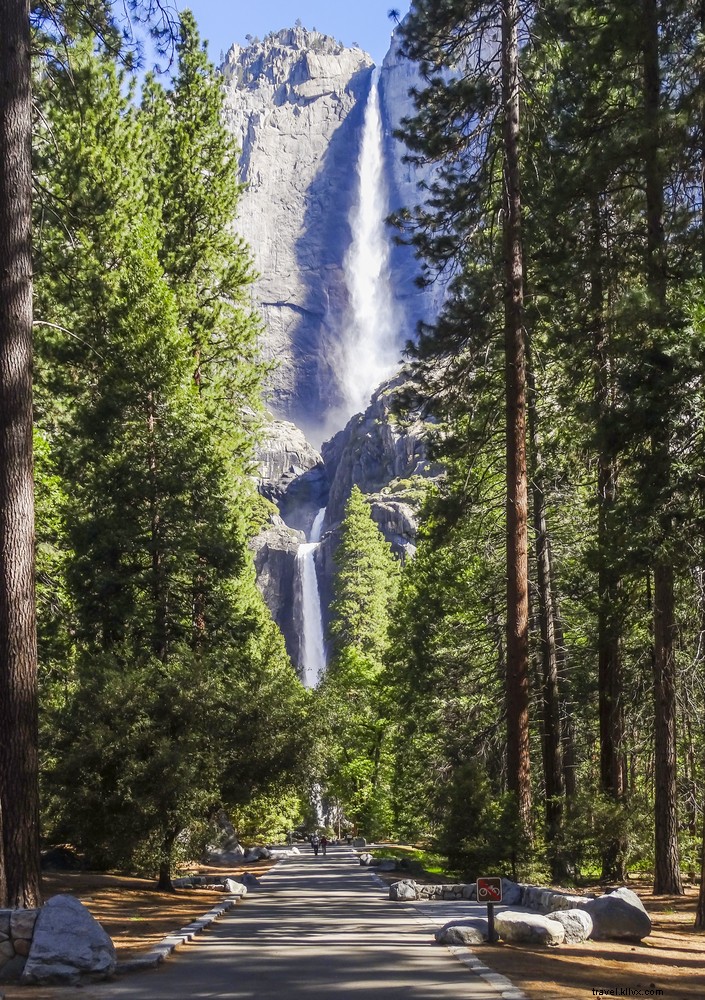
(176, 695)
(269, 816)
(354, 733)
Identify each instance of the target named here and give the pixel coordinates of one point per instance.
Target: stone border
(156, 955)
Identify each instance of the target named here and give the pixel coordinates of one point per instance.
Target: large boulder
(474, 930)
(68, 945)
(406, 889)
(234, 887)
(528, 928)
(619, 915)
(576, 923)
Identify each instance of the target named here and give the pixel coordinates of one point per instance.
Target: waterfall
(370, 342)
(313, 647)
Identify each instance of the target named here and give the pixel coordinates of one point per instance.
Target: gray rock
(258, 854)
(235, 888)
(618, 915)
(386, 865)
(359, 842)
(294, 103)
(366, 858)
(225, 859)
(511, 893)
(403, 890)
(529, 928)
(563, 901)
(22, 923)
(576, 923)
(250, 880)
(464, 932)
(68, 945)
(11, 970)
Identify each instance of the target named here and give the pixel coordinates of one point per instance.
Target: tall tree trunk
(517, 688)
(164, 883)
(700, 915)
(609, 665)
(667, 878)
(19, 794)
(552, 735)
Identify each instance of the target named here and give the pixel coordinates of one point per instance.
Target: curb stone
(168, 945)
(156, 955)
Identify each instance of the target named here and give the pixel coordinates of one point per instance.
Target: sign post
(489, 891)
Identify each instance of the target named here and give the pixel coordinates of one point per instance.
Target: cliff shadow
(320, 252)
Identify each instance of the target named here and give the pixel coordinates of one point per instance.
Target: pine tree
(167, 616)
(355, 725)
(19, 798)
(468, 121)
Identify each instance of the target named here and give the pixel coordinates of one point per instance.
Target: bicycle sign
(489, 890)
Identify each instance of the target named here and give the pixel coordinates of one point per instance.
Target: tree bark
(552, 744)
(517, 687)
(667, 879)
(19, 796)
(609, 665)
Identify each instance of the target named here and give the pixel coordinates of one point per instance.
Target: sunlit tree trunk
(518, 761)
(19, 797)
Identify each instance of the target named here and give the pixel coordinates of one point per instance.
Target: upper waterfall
(370, 343)
(306, 112)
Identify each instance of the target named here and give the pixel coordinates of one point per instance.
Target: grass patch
(421, 862)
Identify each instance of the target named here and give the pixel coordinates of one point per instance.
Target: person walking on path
(324, 844)
(315, 843)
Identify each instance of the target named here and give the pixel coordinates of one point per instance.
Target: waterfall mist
(313, 651)
(371, 334)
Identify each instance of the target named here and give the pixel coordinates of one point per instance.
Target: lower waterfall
(313, 655)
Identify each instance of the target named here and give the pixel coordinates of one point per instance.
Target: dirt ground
(672, 959)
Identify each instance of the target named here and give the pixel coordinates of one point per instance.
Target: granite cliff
(295, 103)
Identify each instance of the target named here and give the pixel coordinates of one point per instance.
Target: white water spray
(370, 342)
(313, 645)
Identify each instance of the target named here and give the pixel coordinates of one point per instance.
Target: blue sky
(223, 22)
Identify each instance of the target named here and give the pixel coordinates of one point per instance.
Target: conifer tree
(167, 615)
(356, 727)
(468, 121)
(19, 802)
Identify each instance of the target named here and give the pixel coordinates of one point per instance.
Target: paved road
(321, 929)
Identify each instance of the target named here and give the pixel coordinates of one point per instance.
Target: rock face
(275, 563)
(68, 945)
(295, 103)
